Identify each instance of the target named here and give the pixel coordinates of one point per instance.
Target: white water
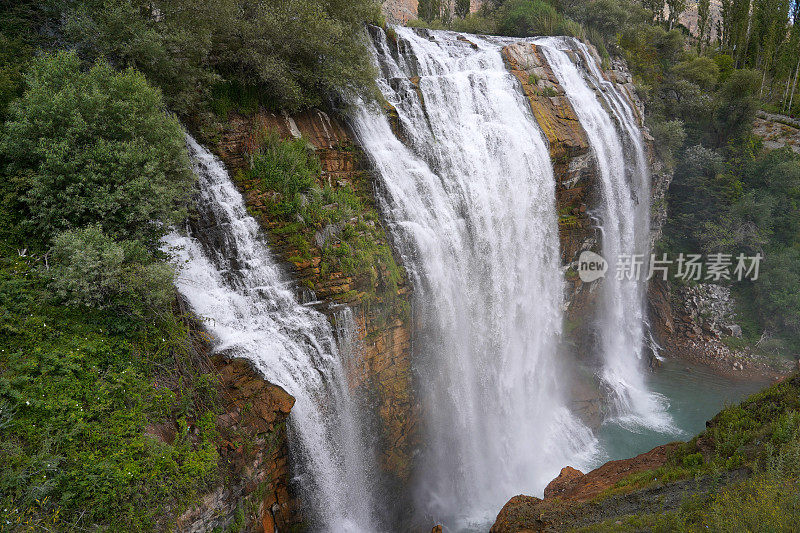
(471, 204)
(625, 230)
(229, 278)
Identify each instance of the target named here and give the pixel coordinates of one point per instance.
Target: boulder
(560, 484)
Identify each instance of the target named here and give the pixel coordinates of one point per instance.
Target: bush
(297, 52)
(289, 167)
(523, 18)
(669, 137)
(735, 106)
(89, 268)
(81, 393)
(94, 146)
(702, 71)
(608, 17)
(777, 291)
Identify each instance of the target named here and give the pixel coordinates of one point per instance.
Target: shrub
(607, 17)
(94, 146)
(88, 267)
(78, 391)
(524, 18)
(669, 136)
(702, 71)
(289, 167)
(297, 52)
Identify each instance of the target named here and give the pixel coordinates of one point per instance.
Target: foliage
(78, 390)
(333, 220)
(529, 17)
(89, 268)
(462, 8)
(293, 53)
(669, 137)
(735, 106)
(762, 434)
(290, 167)
(85, 147)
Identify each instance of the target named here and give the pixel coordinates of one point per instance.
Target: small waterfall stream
(470, 199)
(625, 229)
(229, 277)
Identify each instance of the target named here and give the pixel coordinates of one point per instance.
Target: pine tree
(703, 12)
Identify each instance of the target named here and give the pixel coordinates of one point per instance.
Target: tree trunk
(794, 86)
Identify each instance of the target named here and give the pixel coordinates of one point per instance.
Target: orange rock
(562, 482)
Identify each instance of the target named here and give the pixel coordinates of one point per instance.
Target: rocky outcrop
(572, 485)
(698, 323)
(527, 514)
(382, 369)
(777, 131)
(254, 457)
(573, 165)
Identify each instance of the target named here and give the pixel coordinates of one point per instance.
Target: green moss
(355, 243)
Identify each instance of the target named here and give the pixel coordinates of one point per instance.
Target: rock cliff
(682, 479)
(382, 370)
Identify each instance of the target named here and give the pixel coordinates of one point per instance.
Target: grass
(78, 390)
(762, 434)
(337, 223)
(749, 434)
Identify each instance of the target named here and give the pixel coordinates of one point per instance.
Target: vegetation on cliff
(741, 473)
(762, 436)
(107, 407)
(325, 220)
(205, 56)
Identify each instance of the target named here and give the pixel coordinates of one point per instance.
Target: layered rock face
(573, 165)
(254, 456)
(382, 368)
(698, 323)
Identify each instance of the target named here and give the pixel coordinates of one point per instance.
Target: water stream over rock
(470, 198)
(230, 279)
(618, 148)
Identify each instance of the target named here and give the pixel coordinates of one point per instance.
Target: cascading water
(228, 276)
(625, 229)
(470, 198)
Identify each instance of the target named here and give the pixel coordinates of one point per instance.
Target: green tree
(703, 20)
(462, 8)
(606, 16)
(93, 146)
(735, 106)
(777, 291)
(295, 53)
(676, 7)
(88, 267)
(522, 18)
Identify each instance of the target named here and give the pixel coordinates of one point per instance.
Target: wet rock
(562, 482)
(518, 511)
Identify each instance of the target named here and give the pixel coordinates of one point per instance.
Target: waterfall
(230, 279)
(624, 225)
(470, 199)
